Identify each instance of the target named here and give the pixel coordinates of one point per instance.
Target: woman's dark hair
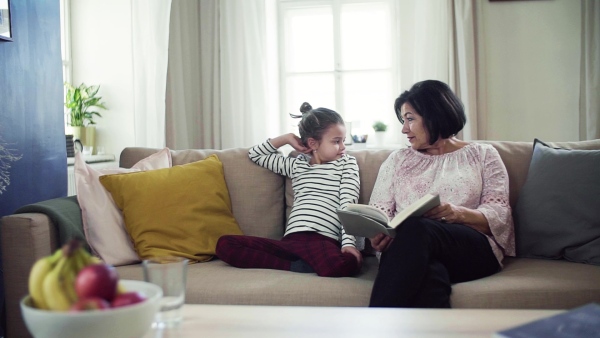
(442, 111)
(314, 122)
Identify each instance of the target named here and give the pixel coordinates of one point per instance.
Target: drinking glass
(170, 274)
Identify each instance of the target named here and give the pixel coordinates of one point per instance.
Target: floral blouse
(473, 177)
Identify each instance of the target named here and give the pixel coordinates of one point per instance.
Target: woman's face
(414, 128)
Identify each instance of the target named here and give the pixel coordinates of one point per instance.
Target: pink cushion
(103, 223)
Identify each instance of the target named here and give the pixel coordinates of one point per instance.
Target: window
(65, 43)
(338, 54)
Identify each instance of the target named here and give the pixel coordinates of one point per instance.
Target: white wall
(531, 52)
(102, 55)
(532, 56)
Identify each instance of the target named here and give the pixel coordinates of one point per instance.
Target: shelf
(93, 158)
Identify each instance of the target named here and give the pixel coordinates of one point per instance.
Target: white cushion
(103, 223)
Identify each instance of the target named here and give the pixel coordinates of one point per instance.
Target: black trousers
(425, 258)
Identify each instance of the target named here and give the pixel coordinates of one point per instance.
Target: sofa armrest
(25, 238)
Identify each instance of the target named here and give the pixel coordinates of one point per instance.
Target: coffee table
(298, 321)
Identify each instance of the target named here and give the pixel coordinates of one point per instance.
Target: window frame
(338, 72)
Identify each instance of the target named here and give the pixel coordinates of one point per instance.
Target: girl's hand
(354, 251)
(381, 242)
(296, 143)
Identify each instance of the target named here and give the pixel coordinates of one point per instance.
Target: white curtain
(221, 90)
(464, 69)
(439, 42)
(193, 81)
(589, 99)
(150, 35)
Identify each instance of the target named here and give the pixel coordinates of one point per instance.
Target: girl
(324, 178)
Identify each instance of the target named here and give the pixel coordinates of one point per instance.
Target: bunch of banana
(52, 278)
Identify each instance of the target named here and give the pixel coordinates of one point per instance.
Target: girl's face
(414, 128)
(331, 147)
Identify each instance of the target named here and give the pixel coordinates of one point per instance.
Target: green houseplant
(83, 103)
(379, 126)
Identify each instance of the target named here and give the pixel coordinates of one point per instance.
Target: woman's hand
(381, 242)
(450, 213)
(446, 212)
(354, 251)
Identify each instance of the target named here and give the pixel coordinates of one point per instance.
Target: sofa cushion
(526, 283)
(261, 215)
(557, 214)
(103, 223)
(179, 211)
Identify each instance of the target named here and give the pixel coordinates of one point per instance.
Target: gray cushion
(557, 215)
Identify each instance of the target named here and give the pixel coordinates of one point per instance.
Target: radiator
(71, 188)
(71, 181)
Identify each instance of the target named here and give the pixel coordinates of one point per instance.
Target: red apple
(97, 280)
(92, 303)
(127, 298)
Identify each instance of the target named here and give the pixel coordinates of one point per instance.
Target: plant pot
(90, 138)
(86, 135)
(379, 138)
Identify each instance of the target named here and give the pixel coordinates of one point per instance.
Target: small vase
(90, 138)
(379, 138)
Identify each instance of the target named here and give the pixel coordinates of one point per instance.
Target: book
(583, 321)
(368, 221)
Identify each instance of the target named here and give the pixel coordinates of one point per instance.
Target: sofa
(261, 200)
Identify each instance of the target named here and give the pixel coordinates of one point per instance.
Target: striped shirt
(319, 190)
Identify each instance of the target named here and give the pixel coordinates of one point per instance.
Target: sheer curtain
(221, 92)
(589, 100)
(222, 87)
(150, 35)
(439, 41)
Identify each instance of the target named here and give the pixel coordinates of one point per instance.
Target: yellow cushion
(178, 211)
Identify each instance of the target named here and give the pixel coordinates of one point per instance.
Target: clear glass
(365, 36)
(308, 39)
(316, 89)
(170, 273)
(368, 98)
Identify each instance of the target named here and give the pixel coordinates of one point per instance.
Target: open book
(367, 221)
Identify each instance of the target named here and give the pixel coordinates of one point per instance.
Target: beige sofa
(261, 200)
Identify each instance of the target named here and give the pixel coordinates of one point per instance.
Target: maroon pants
(322, 253)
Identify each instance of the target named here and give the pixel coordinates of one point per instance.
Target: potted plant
(82, 102)
(380, 129)
(379, 126)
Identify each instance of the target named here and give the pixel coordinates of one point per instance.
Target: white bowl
(128, 321)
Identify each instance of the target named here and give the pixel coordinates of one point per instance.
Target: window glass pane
(368, 98)
(365, 36)
(316, 89)
(308, 39)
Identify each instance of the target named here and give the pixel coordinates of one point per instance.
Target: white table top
(295, 321)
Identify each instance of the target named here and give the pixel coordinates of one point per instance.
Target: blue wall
(31, 108)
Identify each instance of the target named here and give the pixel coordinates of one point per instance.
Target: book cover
(367, 221)
(580, 322)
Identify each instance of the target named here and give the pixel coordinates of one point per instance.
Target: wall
(31, 108)
(102, 55)
(532, 57)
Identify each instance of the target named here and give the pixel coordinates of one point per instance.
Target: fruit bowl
(127, 321)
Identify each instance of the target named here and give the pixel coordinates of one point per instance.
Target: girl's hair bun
(305, 107)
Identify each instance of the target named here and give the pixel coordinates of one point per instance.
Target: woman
(468, 234)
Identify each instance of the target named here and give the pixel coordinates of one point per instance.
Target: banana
(38, 272)
(52, 278)
(55, 286)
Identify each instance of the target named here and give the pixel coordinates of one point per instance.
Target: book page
(418, 208)
(369, 211)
